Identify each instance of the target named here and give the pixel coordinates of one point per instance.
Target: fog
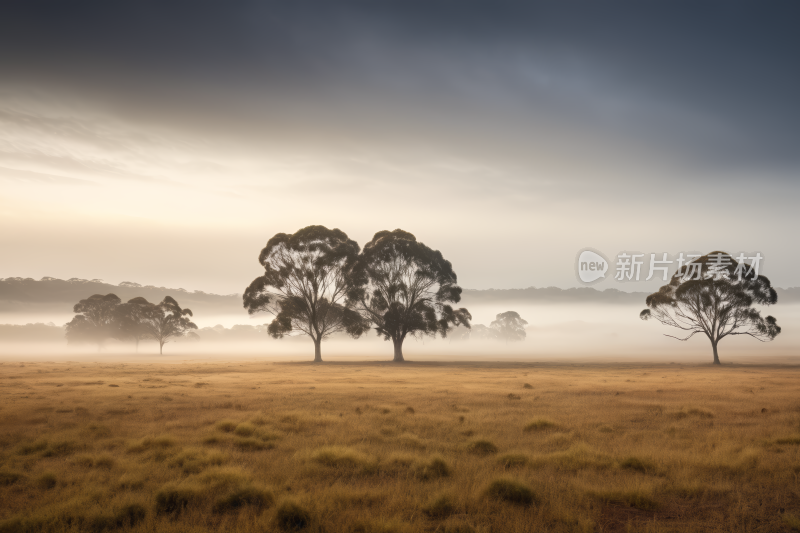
(576, 332)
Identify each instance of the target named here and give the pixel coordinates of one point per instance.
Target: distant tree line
(106, 317)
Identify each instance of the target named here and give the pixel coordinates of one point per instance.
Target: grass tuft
(435, 467)
(244, 496)
(152, 443)
(9, 478)
(513, 460)
(440, 507)
(173, 498)
(540, 424)
(226, 425)
(527, 386)
(481, 447)
(341, 457)
(245, 429)
(251, 444)
(458, 527)
(509, 490)
(637, 499)
(792, 521)
(290, 516)
(637, 465)
(47, 481)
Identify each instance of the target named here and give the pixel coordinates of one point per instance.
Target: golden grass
(384, 448)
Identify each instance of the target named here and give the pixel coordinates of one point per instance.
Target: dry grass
(398, 448)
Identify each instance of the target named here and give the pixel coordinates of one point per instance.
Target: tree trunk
(161, 347)
(716, 356)
(398, 350)
(137, 344)
(317, 350)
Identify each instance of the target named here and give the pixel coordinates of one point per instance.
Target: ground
(383, 447)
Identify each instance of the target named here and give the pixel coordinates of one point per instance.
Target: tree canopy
(95, 321)
(509, 326)
(305, 285)
(714, 295)
(131, 319)
(404, 288)
(165, 321)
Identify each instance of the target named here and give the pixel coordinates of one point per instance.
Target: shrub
(513, 460)
(226, 425)
(440, 507)
(702, 413)
(788, 440)
(245, 429)
(410, 410)
(527, 386)
(512, 396)
(540, 424)
(290, 516)
(508, 490)
(47, 481)
(172, 498)
(481, 447)
(241, 496)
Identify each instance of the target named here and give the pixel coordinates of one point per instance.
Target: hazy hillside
(51, 295)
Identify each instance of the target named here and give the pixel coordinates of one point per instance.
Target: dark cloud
(713, 82)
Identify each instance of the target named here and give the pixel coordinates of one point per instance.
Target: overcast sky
(165, 143)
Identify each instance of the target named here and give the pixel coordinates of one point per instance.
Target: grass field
(246, 447)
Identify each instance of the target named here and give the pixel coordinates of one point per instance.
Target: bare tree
(305, 283)
(404, 288)
(167, 320)
(96, 320)
(714, 295)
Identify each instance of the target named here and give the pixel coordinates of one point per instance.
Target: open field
(379, 447)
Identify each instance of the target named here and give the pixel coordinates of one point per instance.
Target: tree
(167, 320)
(509, 326)
(96, 320)
(403, 288)
(131, 319)
(305, 284)
(714, 295)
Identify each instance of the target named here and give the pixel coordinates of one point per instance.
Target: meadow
(381, 447)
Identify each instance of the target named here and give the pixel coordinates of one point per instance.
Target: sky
(165, 142)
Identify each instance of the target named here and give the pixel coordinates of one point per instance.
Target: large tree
(95, 321)
(404, 288)
(132, 318)
(167, 320)
(509, 326)
(714, 295)
(305, 285)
